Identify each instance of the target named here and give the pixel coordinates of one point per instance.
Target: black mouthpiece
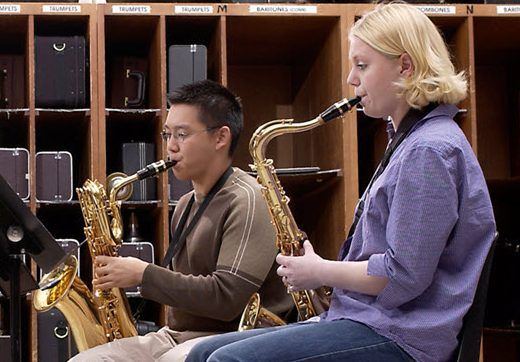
(155, 168)
(339, 108)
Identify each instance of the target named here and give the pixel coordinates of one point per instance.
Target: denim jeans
(341, 340)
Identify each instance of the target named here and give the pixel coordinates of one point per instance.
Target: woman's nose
(352, 79)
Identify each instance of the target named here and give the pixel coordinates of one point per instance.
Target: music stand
(21, 232)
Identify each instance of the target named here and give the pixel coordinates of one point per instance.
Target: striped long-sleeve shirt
(228, 256)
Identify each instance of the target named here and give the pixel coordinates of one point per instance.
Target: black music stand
(21, 233)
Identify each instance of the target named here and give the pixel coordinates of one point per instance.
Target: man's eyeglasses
(181, 135)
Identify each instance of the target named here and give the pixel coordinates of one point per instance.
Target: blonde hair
(397, 28)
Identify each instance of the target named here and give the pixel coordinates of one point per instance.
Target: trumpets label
(9, 8)
(131, 9)
(181, 9)
(61, 8)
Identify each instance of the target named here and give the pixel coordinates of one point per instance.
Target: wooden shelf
(284, 61)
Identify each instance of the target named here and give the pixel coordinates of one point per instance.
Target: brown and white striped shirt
(227, 257)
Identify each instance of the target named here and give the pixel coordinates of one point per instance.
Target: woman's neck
(400, 111)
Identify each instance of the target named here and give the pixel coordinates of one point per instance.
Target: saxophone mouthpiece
(339, 108)
(155, 168)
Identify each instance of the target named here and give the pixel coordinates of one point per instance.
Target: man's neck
(205, 183)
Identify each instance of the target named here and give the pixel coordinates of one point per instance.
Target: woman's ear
(407, 67)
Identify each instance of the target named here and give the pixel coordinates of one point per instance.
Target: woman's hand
(301, 272)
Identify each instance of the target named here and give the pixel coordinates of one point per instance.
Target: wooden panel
(321, 88)
(281, 65)
(100, 173)
(272, 88)
(498, 93)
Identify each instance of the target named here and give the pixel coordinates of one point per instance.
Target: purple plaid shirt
(427, 226)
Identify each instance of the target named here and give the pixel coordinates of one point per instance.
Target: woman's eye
(361, 66)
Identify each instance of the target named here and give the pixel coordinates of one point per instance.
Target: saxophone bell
(256, 316)
(94, 318)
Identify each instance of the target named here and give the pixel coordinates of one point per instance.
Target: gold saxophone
(103, 315)
(289, 237)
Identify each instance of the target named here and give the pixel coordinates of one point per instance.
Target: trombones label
(448, 10)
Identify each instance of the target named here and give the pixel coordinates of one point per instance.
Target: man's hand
(118, 272)
(301, 272)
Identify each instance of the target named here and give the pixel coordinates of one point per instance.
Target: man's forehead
(182, 116)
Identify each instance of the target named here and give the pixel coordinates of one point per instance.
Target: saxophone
(289, 237)
(100, 316)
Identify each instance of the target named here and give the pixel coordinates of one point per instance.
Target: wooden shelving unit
(284, 61)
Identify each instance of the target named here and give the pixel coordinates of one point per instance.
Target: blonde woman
(408, 271)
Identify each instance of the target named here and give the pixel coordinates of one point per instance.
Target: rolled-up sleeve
(423, 209)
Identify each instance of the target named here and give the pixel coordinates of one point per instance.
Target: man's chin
(179, 175)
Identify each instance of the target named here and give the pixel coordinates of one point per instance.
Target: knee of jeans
(228, 354)
(199, 352)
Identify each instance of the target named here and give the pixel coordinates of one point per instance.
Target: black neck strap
(179, 237)
(409, 121)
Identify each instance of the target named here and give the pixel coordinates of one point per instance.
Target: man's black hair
(218, 107)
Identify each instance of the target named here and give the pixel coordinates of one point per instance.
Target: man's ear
(223, 135)
(407, 67)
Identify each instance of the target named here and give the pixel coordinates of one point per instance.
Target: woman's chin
(372, 113)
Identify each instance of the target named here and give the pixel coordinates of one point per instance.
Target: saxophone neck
(266, 132)
(270, 130)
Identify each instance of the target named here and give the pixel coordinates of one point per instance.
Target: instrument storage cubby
(180, 30)
(283, 62)
(61, 62)
(497, 78)
(497, 52)
(60, 131)
(293, 69)
(14, 62)
(130, 126)
(14, 129)
(43, 129)
(137, 55)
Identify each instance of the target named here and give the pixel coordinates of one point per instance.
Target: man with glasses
(223, 245)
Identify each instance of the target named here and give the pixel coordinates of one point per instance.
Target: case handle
(59, 47)
(141, 84)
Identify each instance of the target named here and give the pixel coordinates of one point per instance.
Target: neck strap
(179, 237)
(412, 117)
